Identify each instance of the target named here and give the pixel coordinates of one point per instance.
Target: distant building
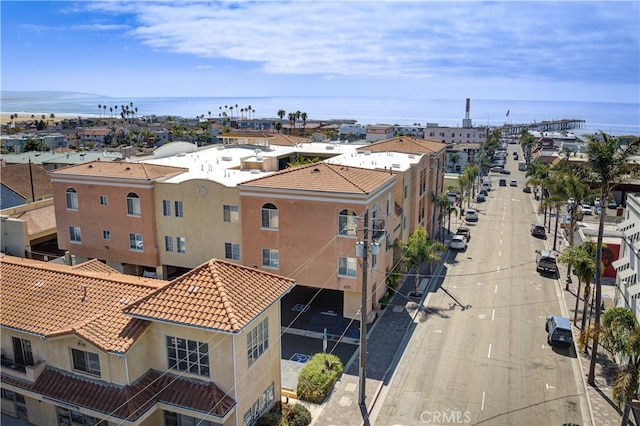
(379, 132)
(628, 264)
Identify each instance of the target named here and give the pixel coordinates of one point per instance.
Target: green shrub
(296, 415)
(270, 419)
(318, 376)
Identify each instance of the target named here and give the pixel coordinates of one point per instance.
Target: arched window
(347, 222)
(133, 204)
(72, 199)
(269, 216)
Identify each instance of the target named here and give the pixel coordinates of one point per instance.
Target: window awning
(623, 226)
(623, 261)
(627, 273)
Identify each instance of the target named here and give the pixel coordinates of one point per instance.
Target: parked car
(481, 198)
(503, 182)
(586, 209)
(465, 232)
(513, 183)
(505, 172)
(538, 231)
(484, 192)
(526, 189)
(558, 331)
(612, 204)
(497, 169)
(546, 261)
(471, 215)
(458, 242)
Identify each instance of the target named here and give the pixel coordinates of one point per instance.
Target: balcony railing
(26, 372)
(378, 229)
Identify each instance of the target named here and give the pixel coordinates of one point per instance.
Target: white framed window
(263, 402)
(88, 362)
(188, 355)
(230, 214)
(106, 234)
(104, 200)
(133, 204)
(75, 236)
(166, 207)
(269, 216)
(22, 354)
(270, 258)
(181, 244)
(347, 223)
(347, 267)
(232, 251)
(178, 209)
(168, 243)
(72, 199)
(177, 419)
(135, 242)
(67, 416)
(258, 340)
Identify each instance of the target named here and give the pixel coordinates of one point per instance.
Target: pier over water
(542, 126)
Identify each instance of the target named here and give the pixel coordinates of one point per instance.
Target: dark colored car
(466, 232)
(505, 172)
(538, 231)
(526, 189)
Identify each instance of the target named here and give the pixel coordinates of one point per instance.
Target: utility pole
(363, 313)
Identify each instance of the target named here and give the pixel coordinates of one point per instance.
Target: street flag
(508, 112)
(324, 341)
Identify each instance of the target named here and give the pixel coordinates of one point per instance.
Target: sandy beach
(25, 116)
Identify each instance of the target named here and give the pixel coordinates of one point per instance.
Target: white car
(471, 215)
(586, 209)
(458, 242)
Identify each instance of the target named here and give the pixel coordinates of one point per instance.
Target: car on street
(471, 215)
(546, 261)
(484, 192)
(586, 210)
(458, 242)
(505, 172)
(538, 231)
(612, 204)
(465, 232)
(481, 198)
(513, 183)
(558, 331)
(496, 169)
(503, 182)
(526, 189)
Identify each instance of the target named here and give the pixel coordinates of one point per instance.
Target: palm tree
(608, 163)
(583, 265)
(231, 111)
(100, 110)
(620, 336)
(453, 159)
(527, 140)
(304, 120)
(471, 171)
(292, 120)
(104, 107)
(419, 249)
(443, 203)
(281, 114)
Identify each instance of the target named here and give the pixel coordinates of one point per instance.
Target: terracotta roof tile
(94, 265)
(217, 295)
(407, 145)
(324, 177)
(129, 402)
(50, 300)
(17, 178)
(119, 169)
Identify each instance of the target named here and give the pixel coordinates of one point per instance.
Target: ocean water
(613, 118)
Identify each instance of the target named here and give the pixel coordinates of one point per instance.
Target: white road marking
(500, 242)
(489, 354)
(482, 405)
(549, 386)
(437, 331)
(482, 316)
(496, 289)
(493, 315)
(500, 253)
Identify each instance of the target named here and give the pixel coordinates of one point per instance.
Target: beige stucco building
(89, 345)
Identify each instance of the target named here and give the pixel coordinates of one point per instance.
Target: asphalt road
(490, 363)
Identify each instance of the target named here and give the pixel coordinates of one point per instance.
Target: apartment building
(627, 294)
(107, 210)
(88, 345)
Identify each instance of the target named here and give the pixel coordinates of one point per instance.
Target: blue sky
(544, 50)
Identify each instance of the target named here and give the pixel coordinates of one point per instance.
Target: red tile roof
(324, 177)
(94, 265)
(129, 402)
(119, 169)
(217, 295)
(49, 300)
(407, 145)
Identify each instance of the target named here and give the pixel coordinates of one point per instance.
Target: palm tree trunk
(575, 311)
(555, 235)
(585, 305)
(416, 282)
(594, 350)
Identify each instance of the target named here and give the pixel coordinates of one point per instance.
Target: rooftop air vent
(226, 158)
(193, 289)
(367, 153)
(329, 147)
(181, 154)
(395, 165)
(255, 171)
